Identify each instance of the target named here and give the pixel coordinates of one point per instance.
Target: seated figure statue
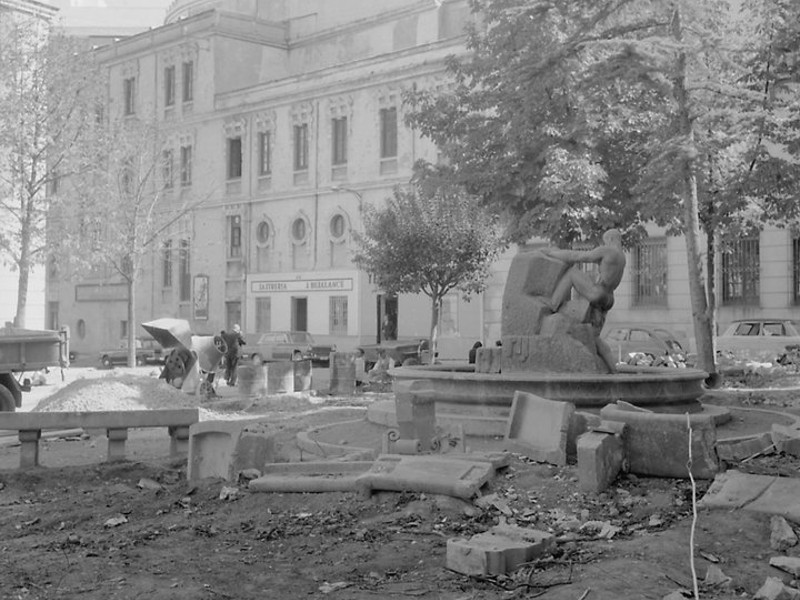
(600, 291)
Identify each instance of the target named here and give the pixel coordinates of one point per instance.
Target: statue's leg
(574, 278)
(604, 352)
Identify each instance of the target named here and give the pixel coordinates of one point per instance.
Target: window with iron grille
(264, 153)
(169, 85)
(301, 147)
(188, 81)
(338, 315)
(166, 264)
(234, 158)
(184, 267)
(129, 95)
(649, 272)
(388, 132)
(796, 269)
(339, 131)
(234, 236)
(740, 272)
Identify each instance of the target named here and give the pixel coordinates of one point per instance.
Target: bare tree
(48, 98)
(112, 217)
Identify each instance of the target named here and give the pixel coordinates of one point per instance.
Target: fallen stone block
(225, 448)
(781, 536)
(500, 550)
(764, 494)
(429, 473)
(788, 564)
(657, 444)
(786, 439)
(775, 589)
(734, 450)
(342, 374)
(539, 428)
(600, 459)
(415, 411)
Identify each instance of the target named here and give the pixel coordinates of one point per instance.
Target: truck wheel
(6, 400)
(106, 362)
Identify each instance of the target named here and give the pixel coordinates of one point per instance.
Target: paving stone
(539, 428)
(600, 459)
(657, 444)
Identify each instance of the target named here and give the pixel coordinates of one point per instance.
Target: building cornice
(30, 7)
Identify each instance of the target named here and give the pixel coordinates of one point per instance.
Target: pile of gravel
(116, 392)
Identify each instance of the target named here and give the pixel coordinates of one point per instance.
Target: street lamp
(356, 193)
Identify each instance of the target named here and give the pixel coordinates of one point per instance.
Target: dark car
(403, 352)
(645, 344)
(148, 352)
(286, 345)
(763, 339)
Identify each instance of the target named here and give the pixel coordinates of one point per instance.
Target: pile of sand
(116, 392)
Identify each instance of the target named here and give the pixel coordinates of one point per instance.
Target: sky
(110, 16)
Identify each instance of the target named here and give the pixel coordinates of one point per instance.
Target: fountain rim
(626, 374)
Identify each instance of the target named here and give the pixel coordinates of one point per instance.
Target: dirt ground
(79, 527)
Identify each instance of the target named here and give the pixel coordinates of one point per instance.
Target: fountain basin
(458, 388)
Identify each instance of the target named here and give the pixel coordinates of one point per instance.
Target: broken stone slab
(539, 428)
(786, 439)
(657, 444)
(736, 449)
(433, 474)
(764, 494)
(775, 589)
(600, 459)
(224, 448)
(502, 549)
(782, 536)
(788, 564)
(415, 410)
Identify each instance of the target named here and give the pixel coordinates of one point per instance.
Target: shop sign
(302, 285)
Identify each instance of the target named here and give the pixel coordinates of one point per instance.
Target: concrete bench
(115, 422)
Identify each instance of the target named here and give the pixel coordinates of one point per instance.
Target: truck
(26, 351)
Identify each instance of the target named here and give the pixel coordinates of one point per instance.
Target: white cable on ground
(694, 512)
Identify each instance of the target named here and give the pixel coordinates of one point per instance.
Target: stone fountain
(550, 348)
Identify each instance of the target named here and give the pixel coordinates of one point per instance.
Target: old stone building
(285, 117)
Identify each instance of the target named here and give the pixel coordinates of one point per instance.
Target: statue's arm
(573, 256)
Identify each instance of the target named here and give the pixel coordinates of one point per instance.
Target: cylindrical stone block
(116, 443)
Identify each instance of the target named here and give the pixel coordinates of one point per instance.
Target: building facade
(285, 117)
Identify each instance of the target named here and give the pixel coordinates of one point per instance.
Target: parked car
(761, 339)
(645, 345)
(286, 345)
(148, 352)
(403, 352)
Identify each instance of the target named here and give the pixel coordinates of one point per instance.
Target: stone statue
(543, 328)
(599, 292)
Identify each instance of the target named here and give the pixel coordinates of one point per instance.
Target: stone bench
(115, 422)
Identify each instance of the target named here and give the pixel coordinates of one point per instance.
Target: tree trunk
(697, 289)
(436, 306)
(24, 266)
(131, 326)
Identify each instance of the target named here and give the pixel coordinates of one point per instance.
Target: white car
(761, 339)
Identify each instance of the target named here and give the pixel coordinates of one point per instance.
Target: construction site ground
(79, 527)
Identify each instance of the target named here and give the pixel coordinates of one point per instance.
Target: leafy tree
(48, 97)
(576, 115)
(112, 217)
(429, 239)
